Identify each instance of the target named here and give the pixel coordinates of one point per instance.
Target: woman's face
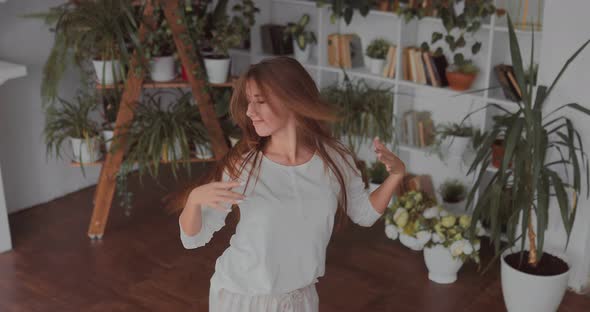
(266, 118)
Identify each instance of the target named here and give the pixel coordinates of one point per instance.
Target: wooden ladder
(105, 189)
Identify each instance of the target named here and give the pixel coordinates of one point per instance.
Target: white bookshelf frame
(494, 50)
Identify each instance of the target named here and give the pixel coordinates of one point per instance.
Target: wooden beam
(202, 99)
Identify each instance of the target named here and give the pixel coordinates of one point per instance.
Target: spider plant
(161, 133)
(531, 133)
(87, 30)
(366, 112)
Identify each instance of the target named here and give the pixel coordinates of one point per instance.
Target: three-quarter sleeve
(212, 220)
(360, 209)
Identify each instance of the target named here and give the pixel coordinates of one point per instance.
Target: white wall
(30, 178)
(565, 29)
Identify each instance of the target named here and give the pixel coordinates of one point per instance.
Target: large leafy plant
(531, 134)
(87, 30)
(158, 132)
(460, 29)
(366, 112)
(345, 8)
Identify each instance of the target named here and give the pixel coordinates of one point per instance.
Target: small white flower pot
(108, 135)
(162, 69)
(531, 293)
(108, 72)
(458, 145)
(217, 69)
(233, 141)
(85, 151)
(376, 66)
(410, 242)
(203, 151)
(302, 55)
(455, 208)
(442, 268)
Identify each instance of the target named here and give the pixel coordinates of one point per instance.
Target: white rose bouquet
(405, 219)
(452, 232)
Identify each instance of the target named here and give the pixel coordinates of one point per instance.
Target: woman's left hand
(392, 163)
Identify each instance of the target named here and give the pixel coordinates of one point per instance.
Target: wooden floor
(140, 265)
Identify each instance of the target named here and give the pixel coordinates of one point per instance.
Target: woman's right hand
(215, 194)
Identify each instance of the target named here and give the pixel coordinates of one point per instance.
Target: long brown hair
(291, 85)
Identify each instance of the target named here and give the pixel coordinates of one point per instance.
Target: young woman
(291, 179)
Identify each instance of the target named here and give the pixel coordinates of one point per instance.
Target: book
(393, 63)
(406, 65)
(419, 67)
(441, 64)
(389, 69)
(426, 56)
(412, 64)
(334, 50)
(501, 75)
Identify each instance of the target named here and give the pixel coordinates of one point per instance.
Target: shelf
(176, 83)
(11, 71)
(297, 2)
(100, 162)
(240, 52)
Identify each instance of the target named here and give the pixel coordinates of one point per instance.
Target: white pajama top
(285, 225)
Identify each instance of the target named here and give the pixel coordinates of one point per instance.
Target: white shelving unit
(445, 104)
(7, 71)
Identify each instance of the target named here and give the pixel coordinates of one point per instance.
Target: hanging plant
(345, 9)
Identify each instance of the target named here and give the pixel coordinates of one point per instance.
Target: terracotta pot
(498, 153)
(460, 81)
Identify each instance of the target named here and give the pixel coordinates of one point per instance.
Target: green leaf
(513, 138)
(517, 60)
(436, 36)
(567, 63)
(476, 47)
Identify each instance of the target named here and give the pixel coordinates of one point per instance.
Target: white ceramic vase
(302, 55)
(85, 151)
(458, 145)
(107, 72)
(217, 69)
(376, 66)
(442, 268)
(162, 69)
(531, 293)
(455, 208)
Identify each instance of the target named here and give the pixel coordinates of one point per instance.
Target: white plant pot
(302, 55)
(174, 152)
(217, 69)
(108, 72)
(527, 293)
(203, 151)
(410, 242)
(108, 135)
(442, 268)
(376, 66)
(233, 141)
(455, 208)
(162, 69)
(458, 145)
(85, 151)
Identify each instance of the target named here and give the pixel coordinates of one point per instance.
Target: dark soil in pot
(548, 266)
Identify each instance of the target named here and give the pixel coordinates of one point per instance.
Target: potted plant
(377, 52)
(404, 219)
(453, 194)
(531, 132)
(222, 32)
(448, 247)
(163, 134)
(460, 28)
(100, 31)
(160, 49)
(456, 137)
(345, 9)
(302, 39)
(366, 112)
(72, 122)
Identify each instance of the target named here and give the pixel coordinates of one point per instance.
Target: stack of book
(345, 50)
(507, 80)
(424, 67)
(417, 129)
(390, 62)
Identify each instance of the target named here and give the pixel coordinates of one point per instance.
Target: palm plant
(366, 112)
(87, 30)
(530, 134)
